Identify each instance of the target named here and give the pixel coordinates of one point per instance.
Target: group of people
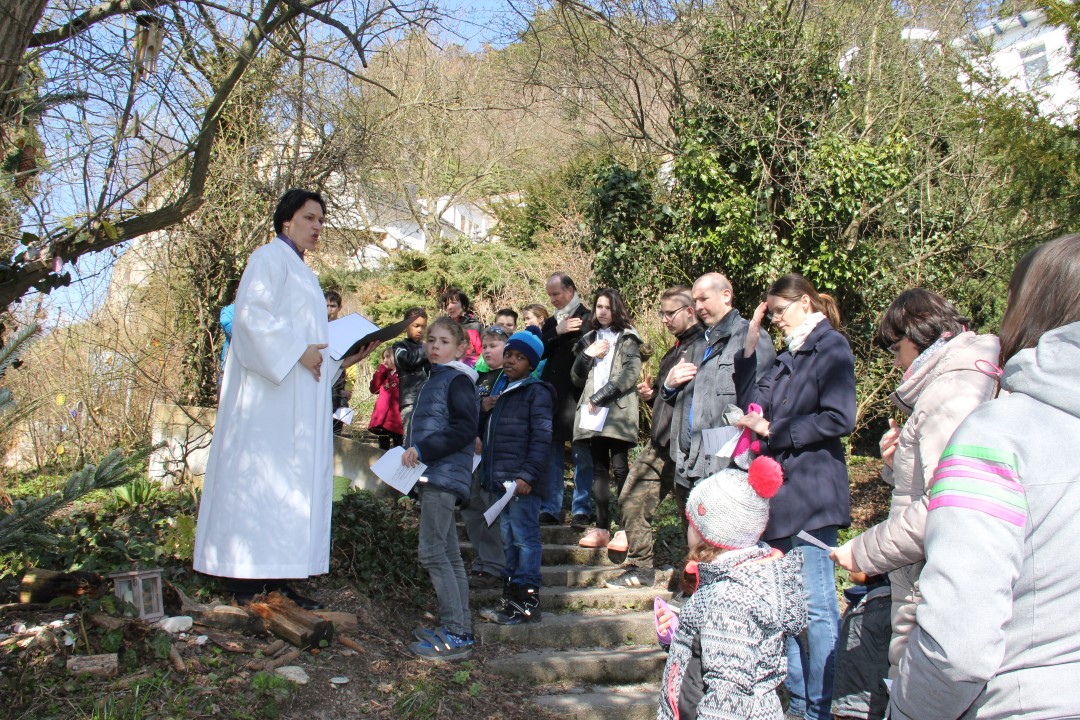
(975, 547)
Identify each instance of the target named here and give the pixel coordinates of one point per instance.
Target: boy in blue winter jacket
(516, 437)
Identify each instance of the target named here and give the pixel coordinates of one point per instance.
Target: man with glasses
(652, 474)
(701, 386)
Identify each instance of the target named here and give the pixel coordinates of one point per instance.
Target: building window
(1036, 66)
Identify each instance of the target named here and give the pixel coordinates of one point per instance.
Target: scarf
(927, 354)
(798, 336)
(574, 304)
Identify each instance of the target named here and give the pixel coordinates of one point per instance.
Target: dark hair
(536, 309)
(1044, 294)
(455, 328)
(508, 311)
(793, 286)
(564, 280)
(920, 316)
(454, 294)
(333, 296)
(415, 312)
(620, 318)
(291, 202)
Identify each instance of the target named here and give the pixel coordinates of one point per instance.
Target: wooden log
(96, 665)
(343, 622)
(176, 660)
(227, 617)
(107, 621)
(273, 663)
(350, 643)
(39, 585)
(291, 623)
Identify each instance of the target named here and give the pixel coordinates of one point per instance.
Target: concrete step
(578, 575)
(567, 599)
(564, 555)
(592, 666)
(604, 703)
(549, 534)
(574, 630)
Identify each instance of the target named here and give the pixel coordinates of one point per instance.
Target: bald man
(702, 385)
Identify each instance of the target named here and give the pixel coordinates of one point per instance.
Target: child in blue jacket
(516, 441)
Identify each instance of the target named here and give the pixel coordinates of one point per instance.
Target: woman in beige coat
(948, 372)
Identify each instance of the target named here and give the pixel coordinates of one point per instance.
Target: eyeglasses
(895, 347)
(777, 314)
(669, 314)
(496, 330)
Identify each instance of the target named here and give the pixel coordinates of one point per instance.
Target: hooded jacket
(413, 368)
(999, 622)
(517, 437)
(444, 426)
(936, 396)
(729, 653)
(619, 393)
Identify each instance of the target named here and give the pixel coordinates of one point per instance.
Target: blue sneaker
(442, 645)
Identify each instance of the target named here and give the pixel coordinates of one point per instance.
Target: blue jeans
(552, 503)
(582, 503)
(440, 555)
(520, 524)
(811, 655)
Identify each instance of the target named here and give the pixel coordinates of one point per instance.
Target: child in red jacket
(386, 417)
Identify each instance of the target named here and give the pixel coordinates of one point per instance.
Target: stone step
(549, 534)
(565, 555)
(578, 575)
(570, 599)
(575, 630)
(604, 703)
(591, 666)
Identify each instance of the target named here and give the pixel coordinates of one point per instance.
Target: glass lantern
(141, 588)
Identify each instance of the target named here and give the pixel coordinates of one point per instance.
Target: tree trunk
(17, 21)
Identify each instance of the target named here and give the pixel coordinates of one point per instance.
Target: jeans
(520, 525)
(440, 555)
(583, 479)
(812, 654)
(487, 541)
(648, 483)
(610, 462)
(552, 503)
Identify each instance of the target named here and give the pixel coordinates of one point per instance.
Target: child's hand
(411, 458)
(593, 409)
(487, 403)
(665, 616)
(523, 488)
(477, 447)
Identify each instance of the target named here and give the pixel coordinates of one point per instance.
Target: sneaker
(549, 519)
(480, 579)
(618, 542)
(491, 614)
(522, 608)
(444, 646)
(633, 579)
(595, 538)
(579, 522)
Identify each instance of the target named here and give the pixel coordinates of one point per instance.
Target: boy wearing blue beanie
(516, 438)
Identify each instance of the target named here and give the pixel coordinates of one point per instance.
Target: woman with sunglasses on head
(998, 632)
(808, 404)
(948, 372)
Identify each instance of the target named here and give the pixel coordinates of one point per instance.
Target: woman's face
(453, 308)
(532, 318)
(788, 314)
(415, 329)
(305, 226)
(904, 353)
(442, 347)
(602, 311)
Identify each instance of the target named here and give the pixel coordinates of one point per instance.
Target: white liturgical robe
(267, 496)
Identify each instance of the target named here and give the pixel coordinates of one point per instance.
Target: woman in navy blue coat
(808, 405)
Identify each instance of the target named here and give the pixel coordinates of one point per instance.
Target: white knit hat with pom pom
(731, 508)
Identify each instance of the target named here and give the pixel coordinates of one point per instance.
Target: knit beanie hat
(730, 509)
(528, 343)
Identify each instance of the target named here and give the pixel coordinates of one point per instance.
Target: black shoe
(633, 579)
(304, 602)
(481, 579)
(579, 522)
(549, 519)
(524, 607)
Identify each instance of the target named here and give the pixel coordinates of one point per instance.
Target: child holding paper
(442, 435)
(516, 442)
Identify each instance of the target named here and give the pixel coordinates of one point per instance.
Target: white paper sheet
(476, 461)
(727, 450)
(714, 439)
(344, 414)
(594, 422)
(389, 469)
(493, 512)
(345, 331)
(807, 537)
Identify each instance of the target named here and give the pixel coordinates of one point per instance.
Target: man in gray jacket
(702, 384)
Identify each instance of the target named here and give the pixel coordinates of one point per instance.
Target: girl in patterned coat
(729, 653)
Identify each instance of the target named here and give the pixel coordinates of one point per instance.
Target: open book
(350, 333)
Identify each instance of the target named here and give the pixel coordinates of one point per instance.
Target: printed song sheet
(493, 512)
(389, 469)
(591, 421)
(713, 440)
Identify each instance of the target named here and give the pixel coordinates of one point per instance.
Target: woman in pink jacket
(948, 372)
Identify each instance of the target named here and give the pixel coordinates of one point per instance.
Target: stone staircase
(594, 655)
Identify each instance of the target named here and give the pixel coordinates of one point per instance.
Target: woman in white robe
(266, 502)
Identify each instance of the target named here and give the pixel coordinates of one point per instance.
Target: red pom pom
(766, 476)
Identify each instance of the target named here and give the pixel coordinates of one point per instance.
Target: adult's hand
(680, 374)
(570, 324)
(593, 409)
(645, 388)
(753, 331)
(598, 349)
(755, 422)
(888, 442)
(845, 558)
(312, 359)
(350, 360)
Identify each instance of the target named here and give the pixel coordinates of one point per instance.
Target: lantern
(141, 588)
